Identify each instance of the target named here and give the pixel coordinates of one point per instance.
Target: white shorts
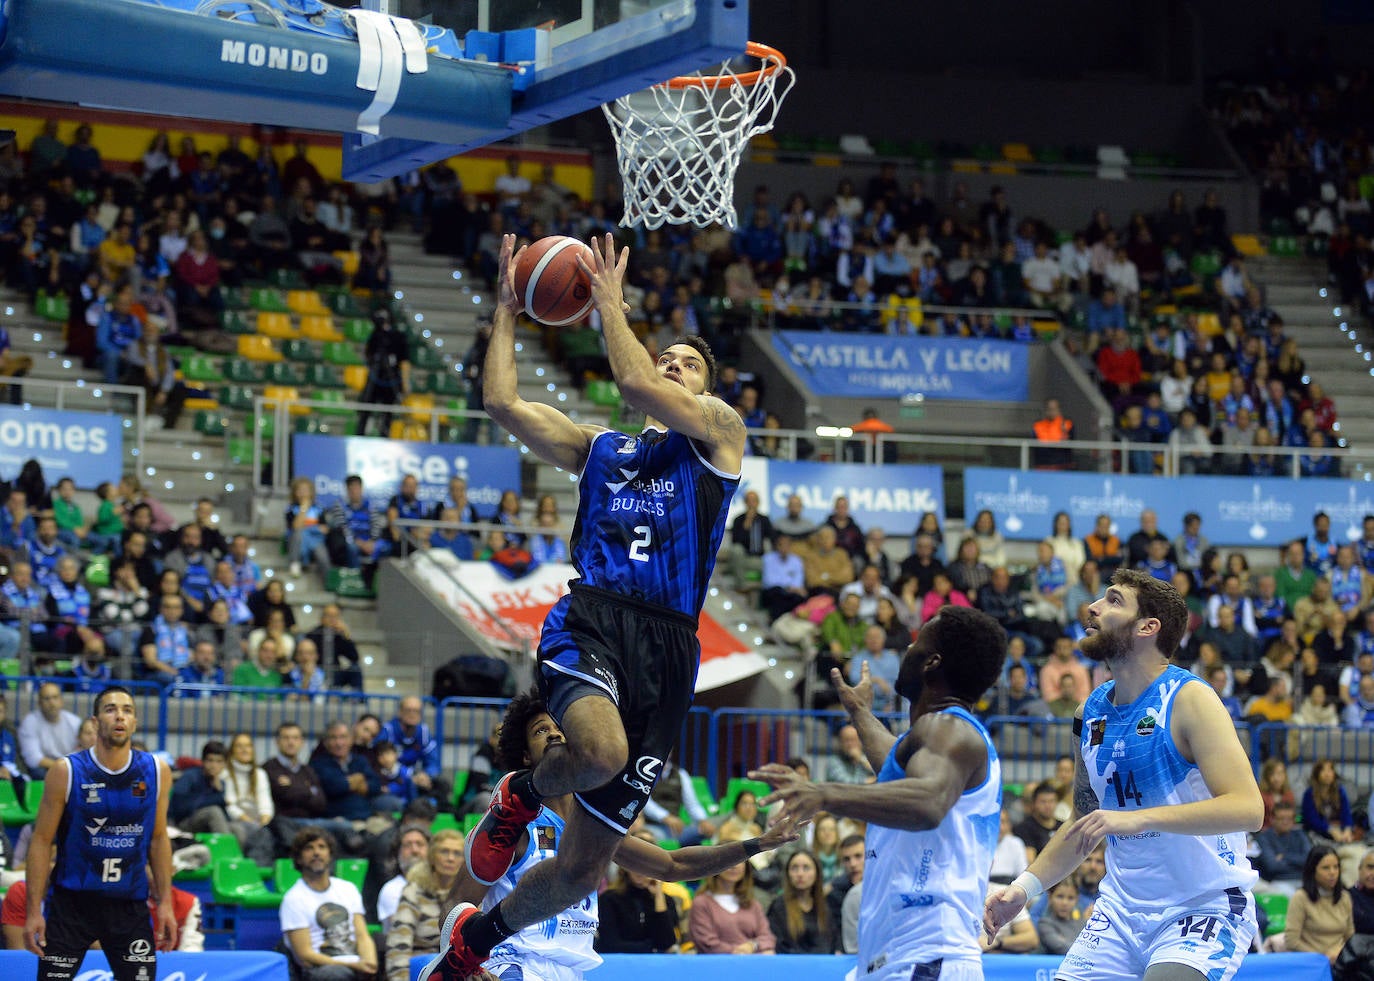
(529, 967)
(1211, 939)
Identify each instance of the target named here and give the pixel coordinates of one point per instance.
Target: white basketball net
(679, 143)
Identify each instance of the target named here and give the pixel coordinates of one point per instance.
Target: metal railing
(893, 313)
(83, 395)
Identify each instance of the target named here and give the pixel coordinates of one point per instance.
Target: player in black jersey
(101, 824)
(618, 655)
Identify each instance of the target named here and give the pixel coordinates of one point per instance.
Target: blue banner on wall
(383, 462)
(890, 496)
(883, 366)
(209, 965)
(1234, 510)
(85, 446)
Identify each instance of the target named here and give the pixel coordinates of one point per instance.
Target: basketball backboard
(406, 81)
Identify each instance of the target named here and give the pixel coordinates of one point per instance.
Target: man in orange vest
(1053, 427)
(870, 426)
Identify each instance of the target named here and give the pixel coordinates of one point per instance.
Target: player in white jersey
(1163, 777)
(560, 948)
(934, 812)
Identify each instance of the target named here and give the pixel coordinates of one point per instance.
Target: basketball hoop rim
(774, 61)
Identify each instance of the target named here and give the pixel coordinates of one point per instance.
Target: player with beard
(1162, 776)
(933, 813)
(103, 817)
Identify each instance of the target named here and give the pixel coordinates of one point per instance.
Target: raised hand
(800, 799)
(855, 698)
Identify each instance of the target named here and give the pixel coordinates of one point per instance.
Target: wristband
(751, 847)
(1030, 883)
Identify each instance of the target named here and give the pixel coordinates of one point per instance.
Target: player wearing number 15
(1163, 777)
(618, 655)
(103, 818)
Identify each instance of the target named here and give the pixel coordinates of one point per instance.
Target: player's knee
(602, 758)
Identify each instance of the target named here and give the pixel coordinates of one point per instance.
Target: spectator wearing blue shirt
(395, 776)
(416, 747)
(1326, 808)
(1269, 610)
(226, 587)
(203, 670)
(1155, 419)
(306, 677)
(10, 761)
(760, 244)
(195, 566)
(26, 605)
(1220, 680)
(891, 269)
(451, 539)
(116, 334)
(783, 578)
(356, 535)
(352, 789)
(548, 545)
(45, 550)
(883, 664)
(1104, 314)
(403, 507)
(1319, 550)
(247, 572)
(17, 527)
(1051, 583)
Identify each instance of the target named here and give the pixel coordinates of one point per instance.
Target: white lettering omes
(273, 57)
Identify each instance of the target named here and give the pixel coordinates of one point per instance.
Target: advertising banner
(383, 462)
(85, 446)
(888, 496)
(888, 366)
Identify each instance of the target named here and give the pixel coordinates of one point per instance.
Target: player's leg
(1208, 942)
(595, 751)
(125, 931)
(70, 933)
(1107, 949)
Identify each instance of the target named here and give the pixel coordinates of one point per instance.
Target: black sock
(485, 930)
(522, 786)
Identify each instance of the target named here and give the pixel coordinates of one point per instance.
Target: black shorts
(75, 920)
(643, 658)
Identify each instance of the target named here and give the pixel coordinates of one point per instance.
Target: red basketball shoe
(491, 846)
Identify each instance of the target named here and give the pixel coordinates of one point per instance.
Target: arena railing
(720, 744)
(82, 395)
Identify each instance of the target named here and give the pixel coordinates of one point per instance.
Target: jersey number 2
(111, 870)
(645, 539)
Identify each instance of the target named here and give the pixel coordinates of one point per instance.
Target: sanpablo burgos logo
(1259, 512)
(1349, 512)
(1013, 502)
(115, 835)
(644, 499)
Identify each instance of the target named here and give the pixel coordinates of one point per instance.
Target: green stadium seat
(235, 299)
(1275, 906)
(342, 353)
(238, 323)
(426, 358)
(287, 279)
(238, 882)
(703, 791)
(265, 299)
(319, 375)
(603, 393)
(240, 450)
(284, 875)
(211, 423)
(222, 848)
(13, 813)
(447, 383)
(54, 308)
(332, 410)
(346, 305)
(238, 397)
(356, 329)
(303, 352)
(267, 424)
(308, 424)
(460, 786)
(284, 373)
(348, 584)
(738, 785)
(199, 368)
(471, 821)
(242, 371)
(352, 870)
(444, 822)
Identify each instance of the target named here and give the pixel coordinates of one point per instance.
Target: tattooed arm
(705, 418)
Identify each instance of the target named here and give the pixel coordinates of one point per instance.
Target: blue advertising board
(890, 496)
(206, 965)
(889, 366)
(1252, 511)
(85, 446)
(381, 463)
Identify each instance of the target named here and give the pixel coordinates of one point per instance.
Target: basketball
(548, 280)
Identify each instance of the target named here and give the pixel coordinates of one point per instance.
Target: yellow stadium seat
(277, 325)
(1209, 324)
(966, 167)
(272, 394)
(400, 429)
(305, 302)
(421, 406)
(316, 327)
(349, 262)
(1248, 245)
(1005, 169)
(355, 377)
(1017, 153)
(195, 404)
(256, 347)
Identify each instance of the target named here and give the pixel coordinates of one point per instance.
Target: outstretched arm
(703, 417)
(551, 435)
(698, 861)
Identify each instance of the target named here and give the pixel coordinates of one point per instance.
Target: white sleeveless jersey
(924, 890)
(1133, 762)
(566, 938)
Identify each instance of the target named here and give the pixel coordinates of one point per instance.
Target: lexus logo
(647, 768)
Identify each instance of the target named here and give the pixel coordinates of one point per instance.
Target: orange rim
(773, 62)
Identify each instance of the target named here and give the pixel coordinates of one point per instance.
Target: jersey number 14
(1126, 791)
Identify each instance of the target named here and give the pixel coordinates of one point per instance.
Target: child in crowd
(107, 532)
(71, 526)
(1061, 923)
(396, 779)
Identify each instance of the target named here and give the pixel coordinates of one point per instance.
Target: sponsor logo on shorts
(647, 767)
(140, 947)
(1097, 923)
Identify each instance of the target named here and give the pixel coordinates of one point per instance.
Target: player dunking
(103, 817)
(1161, 775)
(933, 813)
(619, 654)
(561, 949)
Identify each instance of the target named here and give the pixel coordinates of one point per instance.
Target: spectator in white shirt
(48, 733)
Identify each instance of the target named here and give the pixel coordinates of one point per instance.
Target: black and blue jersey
(650, 518)
(107, 824)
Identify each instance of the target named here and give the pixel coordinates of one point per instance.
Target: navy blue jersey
(102, 839)
(650, 518)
